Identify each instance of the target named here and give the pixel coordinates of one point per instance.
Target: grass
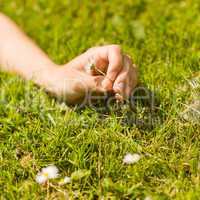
(35, 130)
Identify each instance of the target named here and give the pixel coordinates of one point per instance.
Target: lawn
(37, 130)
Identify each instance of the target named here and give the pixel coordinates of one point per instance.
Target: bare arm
(20, 55)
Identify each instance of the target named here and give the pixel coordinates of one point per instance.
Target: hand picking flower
(131, 158)
(47, 173)
(64, 80)
(90, 67)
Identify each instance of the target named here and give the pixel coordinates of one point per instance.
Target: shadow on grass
(141, 110)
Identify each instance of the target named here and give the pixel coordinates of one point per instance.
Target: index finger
(115, 65)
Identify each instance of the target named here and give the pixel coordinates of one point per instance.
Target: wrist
(43, 76)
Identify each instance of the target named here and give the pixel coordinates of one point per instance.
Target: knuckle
(91, 49)
(128, 59)
(127, 63)
(135, 73)
(116, 47)
(112, 75)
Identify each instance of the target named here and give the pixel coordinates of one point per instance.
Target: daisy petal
(41, 179)
(131, 158)
(51, 171)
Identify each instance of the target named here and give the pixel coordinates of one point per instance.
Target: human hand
(112, 72)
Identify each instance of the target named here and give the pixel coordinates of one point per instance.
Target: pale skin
(20, 55)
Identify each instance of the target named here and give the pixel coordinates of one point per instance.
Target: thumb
(88, 83)
(95, 84)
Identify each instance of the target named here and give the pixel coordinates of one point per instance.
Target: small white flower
(131, 158)
(46, 173)
(51, 171)
(67, 180)
(41, 179)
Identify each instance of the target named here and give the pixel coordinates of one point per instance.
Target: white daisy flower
(41, 179)
(51, 171)
(46, 173)
(67, 180)
(131, 158)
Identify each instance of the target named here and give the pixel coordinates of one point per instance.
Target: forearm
(20, 55)
(72, 81)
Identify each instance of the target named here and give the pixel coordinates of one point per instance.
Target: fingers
(119, 72)
(121, 84)
(105, 60)
(114, 56)
(126, 80)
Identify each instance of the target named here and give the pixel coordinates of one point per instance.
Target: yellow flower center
(45, 174)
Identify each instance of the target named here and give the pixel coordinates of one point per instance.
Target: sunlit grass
(36, 130)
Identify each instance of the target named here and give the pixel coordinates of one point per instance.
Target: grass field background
(36, 130)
